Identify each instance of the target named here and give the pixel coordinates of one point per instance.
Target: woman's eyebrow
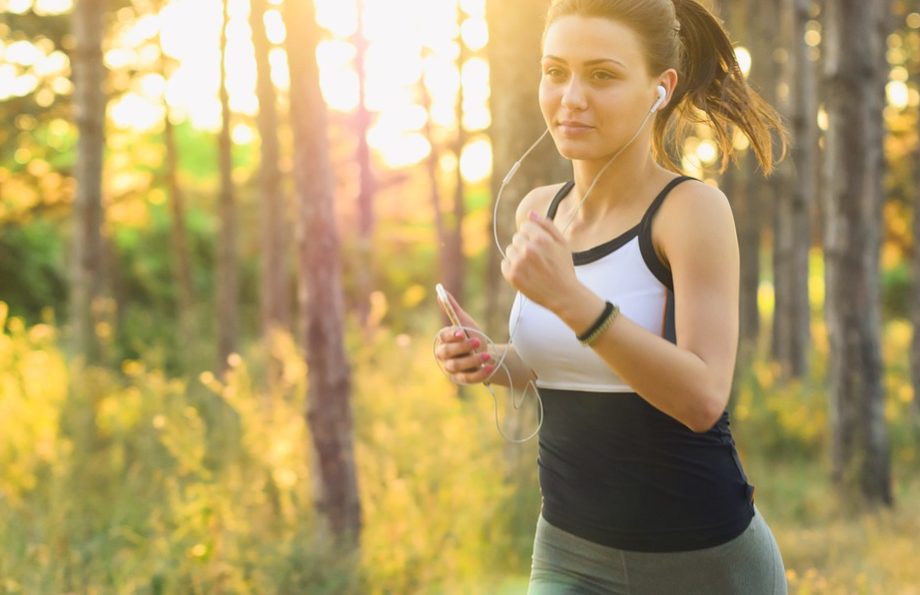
(588, 62)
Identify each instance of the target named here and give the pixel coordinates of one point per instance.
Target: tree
(274, 233)
(180, 253)
(89, 110)
(367, 183)
(853, 198)
(792, 233)
(515, 47)
(320, 287)
(227, 283)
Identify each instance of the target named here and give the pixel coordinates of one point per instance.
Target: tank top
(614, 469)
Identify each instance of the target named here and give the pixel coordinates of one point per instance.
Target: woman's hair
(684, 35)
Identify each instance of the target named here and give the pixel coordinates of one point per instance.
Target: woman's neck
(626, 180)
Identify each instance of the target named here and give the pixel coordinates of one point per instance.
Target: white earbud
(662, 95)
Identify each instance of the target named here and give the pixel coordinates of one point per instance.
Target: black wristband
(608, 310)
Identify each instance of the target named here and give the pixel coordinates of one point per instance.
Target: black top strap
(554, 205)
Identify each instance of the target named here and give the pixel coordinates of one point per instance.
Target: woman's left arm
(691, 380)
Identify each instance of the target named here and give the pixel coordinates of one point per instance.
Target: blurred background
(221, 222)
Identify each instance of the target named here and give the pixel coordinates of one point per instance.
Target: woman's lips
(572, 128)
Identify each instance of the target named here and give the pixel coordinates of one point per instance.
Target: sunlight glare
(23, 53)
(274, 26)
(476, 160)
(475, 33)
(52, 7)
(137, 112)
(744, 60)
(474, 8)
(898, 94)
(18, 6)
(340, 17)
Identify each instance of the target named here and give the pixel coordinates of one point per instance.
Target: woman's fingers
(466, 364)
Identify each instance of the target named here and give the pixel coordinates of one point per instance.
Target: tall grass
(131, 481)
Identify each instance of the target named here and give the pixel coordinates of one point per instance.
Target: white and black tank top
(614, 469)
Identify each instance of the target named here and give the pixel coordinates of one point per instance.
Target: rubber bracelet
(608, 309)
(603, 327)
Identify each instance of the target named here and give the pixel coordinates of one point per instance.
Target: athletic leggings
(749, 564)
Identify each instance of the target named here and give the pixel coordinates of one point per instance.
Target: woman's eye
(553, 72)
(603, 75)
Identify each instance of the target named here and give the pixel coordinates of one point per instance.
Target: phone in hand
(448, 308)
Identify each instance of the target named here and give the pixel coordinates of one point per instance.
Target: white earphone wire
(662, 95)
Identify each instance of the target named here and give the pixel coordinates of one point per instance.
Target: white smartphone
(448, 308)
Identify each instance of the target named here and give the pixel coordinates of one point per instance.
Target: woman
(632, 333)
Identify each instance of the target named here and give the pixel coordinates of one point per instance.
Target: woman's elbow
(708, 414)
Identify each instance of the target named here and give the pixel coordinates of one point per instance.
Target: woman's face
(595, 89)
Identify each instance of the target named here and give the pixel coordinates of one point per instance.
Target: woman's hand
(461, 357)
(538, 263)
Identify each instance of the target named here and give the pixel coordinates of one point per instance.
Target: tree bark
(454, 262)
(275, 308)
(227, 283)
(792, 237)
(367, 182)
(89, 114)
(321, 301)
(181, 259)
(915, 290)
(860, 448)
(515, 47)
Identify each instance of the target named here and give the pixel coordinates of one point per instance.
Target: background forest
(221, 222)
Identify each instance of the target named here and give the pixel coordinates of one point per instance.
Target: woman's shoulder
(694, 213)
(537, 200)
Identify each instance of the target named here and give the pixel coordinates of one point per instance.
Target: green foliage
(32, 270)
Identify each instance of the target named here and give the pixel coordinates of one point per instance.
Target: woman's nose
(573, 97)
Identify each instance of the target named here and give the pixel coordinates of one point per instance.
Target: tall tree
(181, 258)
(792, 232)
(321, 301)
(737, 185)
(853, 197)
(366, 180)
(515, 47)
(227, 283)
(453, 261)
(89, 110)
(915, 287)
(274, 306)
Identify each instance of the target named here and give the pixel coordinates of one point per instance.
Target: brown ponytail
(711, 89)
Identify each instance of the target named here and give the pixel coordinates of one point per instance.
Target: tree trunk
(89, 109)
(227, 294)
(275, 311)
(328, 401)
(792, 237)
(367, 188)
(181, 258)
(515, 33)
(860, 449)
(915, 290)
(737, 184)
(455, 264)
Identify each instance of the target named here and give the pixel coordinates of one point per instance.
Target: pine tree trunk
(793, 230)
(515, 33)
(453, 260)
(915, 291)
(321, 302)
(89, 109)
(737, 185)
(367, 183)
(860, 449)
(227, 294)
(181, 259)
(275, 310)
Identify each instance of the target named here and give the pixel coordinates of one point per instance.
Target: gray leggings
(565, 564)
